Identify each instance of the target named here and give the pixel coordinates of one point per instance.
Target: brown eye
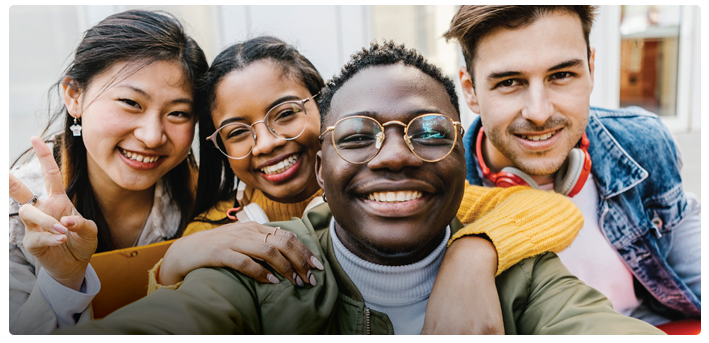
(508, 83)
(561, 75)
(130, 102)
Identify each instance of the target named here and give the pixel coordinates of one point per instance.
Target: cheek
(242, 168)
(333, 173)
(497, 113)
(102, 127)
(181, 135)
(309, 138)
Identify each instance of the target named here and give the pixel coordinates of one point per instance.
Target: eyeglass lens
(431, 137)
(286, 120)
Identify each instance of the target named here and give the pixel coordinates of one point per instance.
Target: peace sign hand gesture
(56, 234)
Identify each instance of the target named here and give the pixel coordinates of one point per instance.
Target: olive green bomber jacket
(537, 296)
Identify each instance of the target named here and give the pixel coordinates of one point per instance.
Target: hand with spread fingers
(58, 236)
(234, 245)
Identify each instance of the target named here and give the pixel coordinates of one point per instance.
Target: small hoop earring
(76, 128)
(323, 197)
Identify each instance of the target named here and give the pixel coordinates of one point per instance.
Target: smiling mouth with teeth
(538, 137)
(138, 157)
(399, 196)
(280, 166)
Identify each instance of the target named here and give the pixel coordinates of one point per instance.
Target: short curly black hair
(383, 54)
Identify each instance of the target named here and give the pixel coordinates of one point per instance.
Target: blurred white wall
(42, 39)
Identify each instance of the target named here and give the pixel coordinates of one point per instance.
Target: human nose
(538, 107)
(151, 131)
(265, 140)
(394, 153)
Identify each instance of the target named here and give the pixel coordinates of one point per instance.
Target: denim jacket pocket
(666, 210)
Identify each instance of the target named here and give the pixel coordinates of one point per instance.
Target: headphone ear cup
(522, 175)
(568, 175)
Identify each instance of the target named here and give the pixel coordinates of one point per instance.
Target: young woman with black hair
(120, 172)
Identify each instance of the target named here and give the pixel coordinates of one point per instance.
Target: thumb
(83, 227)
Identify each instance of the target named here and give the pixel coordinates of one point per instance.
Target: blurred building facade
(646, 55)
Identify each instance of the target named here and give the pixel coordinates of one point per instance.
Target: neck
(495, 160)
(125, 211)
(369, 252)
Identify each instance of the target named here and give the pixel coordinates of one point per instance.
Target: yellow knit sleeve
(521, 222)
(153, 284)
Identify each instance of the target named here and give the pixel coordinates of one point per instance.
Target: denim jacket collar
(613, 169)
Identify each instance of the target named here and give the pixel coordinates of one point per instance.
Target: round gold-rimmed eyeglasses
(358, 139)
(286, 120)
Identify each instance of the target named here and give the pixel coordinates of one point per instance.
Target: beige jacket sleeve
(30, 311)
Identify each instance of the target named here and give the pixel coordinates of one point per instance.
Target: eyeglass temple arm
(330, 128)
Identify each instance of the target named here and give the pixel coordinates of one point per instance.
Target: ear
(466, 84)
(71, 95)
(318, 169)
(592, 63)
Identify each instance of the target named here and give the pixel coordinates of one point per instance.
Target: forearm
(211, 301)
(520, 221)
(465, 301)
(40, 304)
(559, 303)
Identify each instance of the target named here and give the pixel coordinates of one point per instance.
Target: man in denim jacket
(529, 74)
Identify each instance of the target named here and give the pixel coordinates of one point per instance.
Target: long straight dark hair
(216, 179)
(139, 38)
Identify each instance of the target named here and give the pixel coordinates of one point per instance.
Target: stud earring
(76, 128)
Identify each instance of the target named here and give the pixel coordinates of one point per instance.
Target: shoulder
(524, 277)
(639, 132)
(631, 121)
(215, 213)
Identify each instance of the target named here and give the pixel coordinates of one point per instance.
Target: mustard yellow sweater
(521, 222)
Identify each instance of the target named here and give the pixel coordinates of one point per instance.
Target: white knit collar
(390, 285)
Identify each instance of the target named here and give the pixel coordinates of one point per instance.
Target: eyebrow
(147, 96)
(230, 120)
(282, 100)
(272, 105)
(566, 64)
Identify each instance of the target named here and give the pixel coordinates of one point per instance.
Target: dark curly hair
(383, 54)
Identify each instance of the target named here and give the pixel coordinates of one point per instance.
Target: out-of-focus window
(649, 56)
(419, 27)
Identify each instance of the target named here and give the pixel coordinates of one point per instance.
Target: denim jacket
(636, 167)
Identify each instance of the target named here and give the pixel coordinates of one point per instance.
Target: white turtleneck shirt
(401, 292)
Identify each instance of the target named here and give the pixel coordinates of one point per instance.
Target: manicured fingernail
(59, 239)
(316, 262)
(273, 279)
(69, 221)
(299, 281)
(60, 228)
(311, 279)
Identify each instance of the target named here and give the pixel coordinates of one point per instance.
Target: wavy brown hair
(472, 22)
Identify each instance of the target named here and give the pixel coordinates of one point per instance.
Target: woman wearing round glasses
(264, 127)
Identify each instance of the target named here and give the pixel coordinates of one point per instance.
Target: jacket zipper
(366, 322)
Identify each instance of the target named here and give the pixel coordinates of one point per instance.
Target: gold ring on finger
(265, 238)
(274, 231)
